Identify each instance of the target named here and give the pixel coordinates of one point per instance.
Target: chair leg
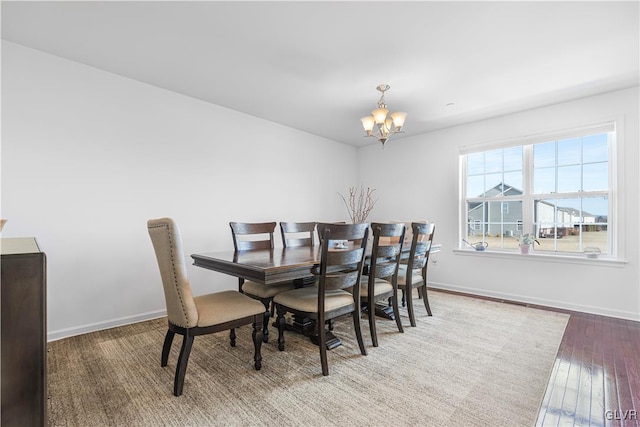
(257, 343)
(372, 321)
(425, 300)
(409, 297)
(322, 345)
(403, 296)
(232, 337)
(168, 340)
(396, 311)
(358, 329)
(280, 323)
(265, 321)
(181, 368)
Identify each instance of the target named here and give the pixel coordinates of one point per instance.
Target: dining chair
(413, 274)
(191, 316)
(381, 283)
(296, 234)
(254, 236)
(337, 292)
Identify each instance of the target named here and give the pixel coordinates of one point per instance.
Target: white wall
(89, 156)
(417, 178)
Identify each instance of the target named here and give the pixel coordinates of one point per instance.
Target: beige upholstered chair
(382, 281)
(338, 286)
(191, 316)
(258, 236)
(413, 274)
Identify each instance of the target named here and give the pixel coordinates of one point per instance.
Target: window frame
(614, 222)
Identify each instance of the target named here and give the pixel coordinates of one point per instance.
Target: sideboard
(23, 345)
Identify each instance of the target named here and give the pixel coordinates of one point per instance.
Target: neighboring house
(494, 218)
(505, 217)
(567, 221)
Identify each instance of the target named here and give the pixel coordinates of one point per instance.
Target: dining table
(271, 266)
(266, 266)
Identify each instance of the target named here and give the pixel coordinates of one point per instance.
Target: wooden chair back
(320, 232)
(261, 235)
(388, 240)
(341, 268)
(421, 242)
(296, 234)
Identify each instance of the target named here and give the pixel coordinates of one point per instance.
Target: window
(558, 187)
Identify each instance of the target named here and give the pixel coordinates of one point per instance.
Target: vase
(340, 244)
(525, 248)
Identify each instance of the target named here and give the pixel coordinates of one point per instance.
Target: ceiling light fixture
(384, 126)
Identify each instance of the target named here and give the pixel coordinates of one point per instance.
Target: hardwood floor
(595, 379)
(596, 376)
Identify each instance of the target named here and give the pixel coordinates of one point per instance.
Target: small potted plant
(526, 241)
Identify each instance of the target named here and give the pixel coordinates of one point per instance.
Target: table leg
(306, 326)
(332, 340)
(383, 310)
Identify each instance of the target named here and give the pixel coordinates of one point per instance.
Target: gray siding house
(496, 218)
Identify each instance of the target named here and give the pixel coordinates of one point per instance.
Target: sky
(562, 166)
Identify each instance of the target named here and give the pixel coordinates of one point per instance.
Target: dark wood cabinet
(24, 333)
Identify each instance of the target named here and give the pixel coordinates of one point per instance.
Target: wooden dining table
(270, 266)
(266, 266)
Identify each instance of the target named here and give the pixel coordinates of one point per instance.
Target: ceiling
(314, 66)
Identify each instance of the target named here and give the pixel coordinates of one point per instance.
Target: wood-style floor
(596, 375)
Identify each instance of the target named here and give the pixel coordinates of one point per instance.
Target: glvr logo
(629, 414)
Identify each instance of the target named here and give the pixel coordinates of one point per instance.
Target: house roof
(498, 189)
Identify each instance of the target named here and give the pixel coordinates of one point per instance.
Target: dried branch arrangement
(360, 203)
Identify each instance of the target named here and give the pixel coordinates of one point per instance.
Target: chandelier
(380, 126)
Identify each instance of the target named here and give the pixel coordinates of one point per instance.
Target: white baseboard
(92, 327)
(538, 301)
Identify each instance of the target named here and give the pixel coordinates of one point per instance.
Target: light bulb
(398, 119)
(368, 123)
(380, 114)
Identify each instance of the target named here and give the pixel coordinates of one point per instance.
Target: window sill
(543, 257)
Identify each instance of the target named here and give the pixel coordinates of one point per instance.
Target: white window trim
(561, 257)
(616, 222)
(605, 125)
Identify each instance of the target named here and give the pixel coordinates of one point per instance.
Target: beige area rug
(474, 363)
